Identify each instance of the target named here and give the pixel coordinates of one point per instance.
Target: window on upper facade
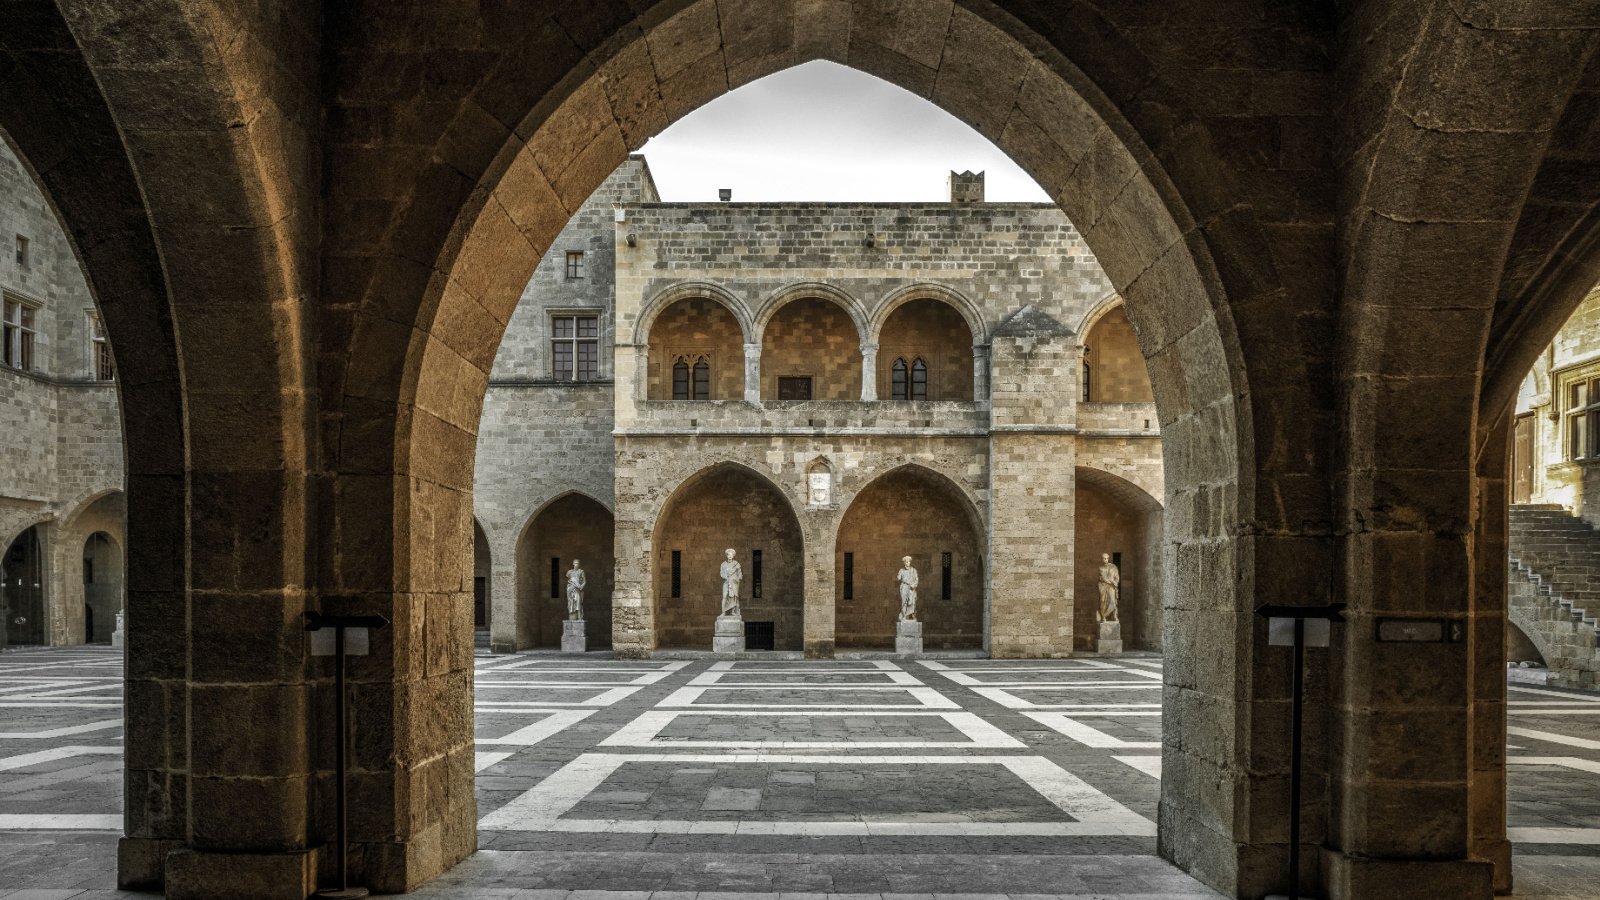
(20, 330)
(691, 382)
(1086, 383)
(574, 264)
(23, 254)
(100, 364)
(575, 348)
(1583, 419)
(794, 387)
(908, 382)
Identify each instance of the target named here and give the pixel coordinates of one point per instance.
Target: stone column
(819, 617)
(505, 611)
(980, 372)
(633, 591)
(869, 371)
(752, 373)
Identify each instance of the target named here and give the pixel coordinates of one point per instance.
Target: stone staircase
(1554, 590)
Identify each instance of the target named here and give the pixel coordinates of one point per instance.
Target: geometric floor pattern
(874, 779)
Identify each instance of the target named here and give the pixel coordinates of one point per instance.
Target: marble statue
(1110, 582)
(907, 579)
(576, 582)
(732, 573)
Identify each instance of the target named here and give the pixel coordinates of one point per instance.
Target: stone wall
(815, 338)
(1117, 372)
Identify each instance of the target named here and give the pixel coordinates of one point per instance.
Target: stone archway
(24, 584)
(929, 332)
(102, 587)
(572, 526)
(727, 506)
(909, 511)
(1113, 367)
(1113, 515)
(691, 333)
(814, 341)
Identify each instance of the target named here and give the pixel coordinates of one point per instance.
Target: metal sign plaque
(1280, 632)
(357, 641)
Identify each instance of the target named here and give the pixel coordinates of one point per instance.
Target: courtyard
(868, 778)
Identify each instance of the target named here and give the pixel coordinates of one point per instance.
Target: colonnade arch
(727, 506)
(1113, 515)
(23, 588)
(572, 526)
(909, 511)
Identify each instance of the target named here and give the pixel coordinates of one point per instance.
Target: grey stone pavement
(700, 780)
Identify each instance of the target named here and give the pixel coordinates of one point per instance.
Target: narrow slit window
(680, 380)
(555, 576)
(755, 574)
(677, 573)
(897, 379)
(1086, 383)
(849, 576)
(702, 379)
(944, 576)
(24, 256)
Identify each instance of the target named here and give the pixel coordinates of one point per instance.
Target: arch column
(752, 372)
(869, 371)
(980, 372)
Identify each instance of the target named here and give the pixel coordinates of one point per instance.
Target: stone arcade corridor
(802, 779)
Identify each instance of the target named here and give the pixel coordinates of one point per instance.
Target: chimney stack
(724, 194)
(966, 187)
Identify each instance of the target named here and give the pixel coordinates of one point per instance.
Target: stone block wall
(812, 337)
(1117, 370)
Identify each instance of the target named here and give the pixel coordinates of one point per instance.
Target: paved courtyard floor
(873, 779)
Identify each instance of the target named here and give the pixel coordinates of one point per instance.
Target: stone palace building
(824, 389)
(61, 501)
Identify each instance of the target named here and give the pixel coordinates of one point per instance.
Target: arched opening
(728, 507)
(1113, 368)
(482, 571)
(915, 512)
(1112, 516)
(23, 582)
(696, 353)
(810, 350)
(571, 527)
(925, 353)
(102, 587)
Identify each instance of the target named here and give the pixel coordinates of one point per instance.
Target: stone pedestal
(729, 635)
(573, 637)
(118, 636)
(1110, 639)
(908, 638)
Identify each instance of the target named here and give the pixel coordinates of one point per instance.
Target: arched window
(702, 379)
(680, 379)
(919, 379)
(898, 381)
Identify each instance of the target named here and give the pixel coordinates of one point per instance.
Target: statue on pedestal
(576, 582)
(907, 579)
(732, 573)
(1110, 583)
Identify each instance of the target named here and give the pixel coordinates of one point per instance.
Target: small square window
(574, 264)
(23, 254)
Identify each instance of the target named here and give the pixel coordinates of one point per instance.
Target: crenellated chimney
(966, 187)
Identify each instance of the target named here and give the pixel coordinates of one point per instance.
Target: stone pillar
(631, 382)
(980, 372)
(1486, 784)
(1032, 490)
(869, 371)
(505, 608)
(752, 373)
(819, 615)
(633, 591)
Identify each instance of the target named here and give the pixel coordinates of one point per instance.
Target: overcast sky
(825, 132)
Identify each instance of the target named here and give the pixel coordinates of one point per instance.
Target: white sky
(822, 131)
